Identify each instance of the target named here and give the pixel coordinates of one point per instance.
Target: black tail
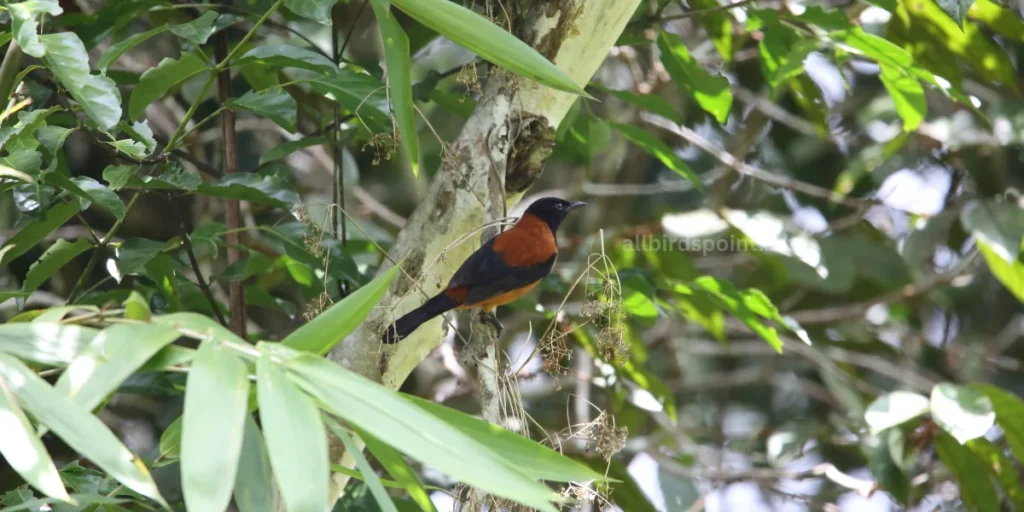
(410, 321)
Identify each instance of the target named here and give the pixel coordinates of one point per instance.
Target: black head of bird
(552, 210)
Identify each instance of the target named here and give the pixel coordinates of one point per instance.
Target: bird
(502, 270)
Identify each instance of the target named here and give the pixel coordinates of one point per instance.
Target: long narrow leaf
(396, 53)
(254, 483)
(372, 481)
(476, 33)
(323, 332)
(295, 437)
(45, 342)
(24, 451)
(82, 431)
(396, 466)
(216, 396)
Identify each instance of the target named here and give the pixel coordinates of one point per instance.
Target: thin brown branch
(232, 211)
(186, 242)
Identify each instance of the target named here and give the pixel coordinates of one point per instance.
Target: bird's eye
(559, 206)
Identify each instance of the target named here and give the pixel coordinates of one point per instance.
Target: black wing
(486, 274)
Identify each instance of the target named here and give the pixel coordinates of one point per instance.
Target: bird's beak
(576, 204)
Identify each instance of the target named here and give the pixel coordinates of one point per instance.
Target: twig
(337, 148)
(690, 14)
(9, 71)
(351, 29)
(756, 173)
(186, 241)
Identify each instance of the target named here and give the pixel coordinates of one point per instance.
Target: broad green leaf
(141, 132)
(117, 176)
(53, 137)
(198, 30)
(1002, 468)
(136, 307)
(288, 56)
(529, 456)
(67, 59)
(54, 259)
(1010, 273)
(316, 10)
(1000, 225)
(791, 64)
(271, 190)
(658, 149)
(492, 43)
(718, 25)
(254, 483)
(894, 409)
(122, 46)
(395, 465)
(25, 24)
(280, 151)
(875, 47)
(113, 356)
(48, 343)
(29, 122)
(216, 399)
(709, 91)
(1001, 20)
(328, 328)
(98, 193)
(255, 263)
(157, 81)
(132, 148)
(748, 306)
(30, 235)
(360, 93)
(22, 449)
(410, 429)
(885, 467)
(956, 9)
(380, 494)
(275, 104)
(907, 94)
(651, 102)
(976, 490)
(396, 53)
(1009, 415)
(170, 441)
(133, 254)
(961, 411)
(295, 437)
(82, 431)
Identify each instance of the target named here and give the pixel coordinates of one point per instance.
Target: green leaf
(98, 193)
(157, 81)
(477, 34)
(529, 456)
(198, 30)
(360, 93)
(625, 492)
(894, 409)
(280, 151)
(117, 176)
(170, 441)
(380, 494)
(956, 9)
(136, 307)
(328, 328)
(884, 466)
(122, 46)
(316, 10)
(30, 235)
(113, 356)
(254, 483)
(395, 465)
(48, 343)
(54, 259)
(23, 451)
(396, 53)
(1009, 415)
(709, 91)
(295, 437)
(25, 24)
(976, 490)
(67, 59)
(255, 263)
(271, 190)
(1011, 274)
(907, 94)
(875, 47)
(1000, 225)
(718, 25)
(288, 56)
(748, 306)
(650, 102)
(961, 411)
(275, 104)
(216, 401)
(133, 254)
(1002, 468)
(1001, 20)
(82, 431)
(658, 149)
(410, 429)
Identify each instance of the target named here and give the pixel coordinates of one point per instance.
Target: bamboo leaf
(23, 450)
(396, 53)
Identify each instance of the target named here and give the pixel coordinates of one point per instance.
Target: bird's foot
(490, 318)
